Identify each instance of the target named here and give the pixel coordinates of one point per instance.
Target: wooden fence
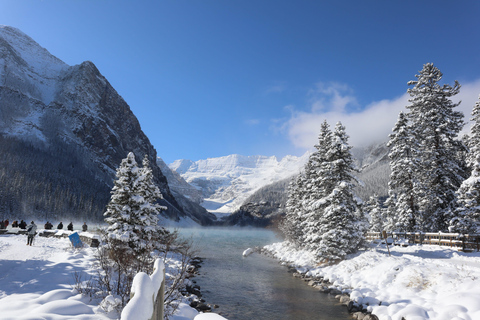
(147, 297)
(467, 242)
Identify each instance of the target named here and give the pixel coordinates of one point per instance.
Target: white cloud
(374, 123)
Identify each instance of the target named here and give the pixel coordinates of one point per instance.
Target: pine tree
(376, 213)
(402, 204)
(473, 141)
(467, 215)
(291, 224)
(132, 213)
(317, 187)
(341, 224)
(436, 126)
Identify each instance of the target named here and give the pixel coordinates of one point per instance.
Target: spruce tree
(436, 126)
(376, 213)
(473, 141)
(291, 223)
(132, 214)
(402, 205)
(316, 188)
(341, 224)
(467, 214)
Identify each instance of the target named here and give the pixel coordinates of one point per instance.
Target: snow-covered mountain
(57, 113)
(226, 182)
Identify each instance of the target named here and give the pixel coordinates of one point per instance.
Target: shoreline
(415, 282)
(324, 286)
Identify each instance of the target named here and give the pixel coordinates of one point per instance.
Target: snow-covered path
(36, 281)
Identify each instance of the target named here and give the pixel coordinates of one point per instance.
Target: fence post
(158, 306)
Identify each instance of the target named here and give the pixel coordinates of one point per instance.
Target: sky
(214, 77)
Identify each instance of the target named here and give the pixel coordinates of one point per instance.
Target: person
(31, 232)
(2, 224)
(60, 225)
(70, 226)
(6, 223)
(48, 226)
(15, 224)
(23, 225)
(84, 227)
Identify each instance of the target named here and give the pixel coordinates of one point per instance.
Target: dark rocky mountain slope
(63, 132)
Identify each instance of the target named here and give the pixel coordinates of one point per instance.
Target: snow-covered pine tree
(376, 213)
(436, 126)
(150, 232)
(341, 224)
(473, 141)
(317, 187)
(402, 205)
(291, 223)
(132, 214)
(467, 214)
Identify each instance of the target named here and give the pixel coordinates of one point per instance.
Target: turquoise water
(254, 287)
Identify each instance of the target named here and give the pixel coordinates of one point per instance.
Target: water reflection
(255, 287)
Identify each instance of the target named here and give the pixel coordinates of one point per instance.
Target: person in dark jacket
(70, 226)
(48, 226)
(23, 225)
(84, 227)
(60, 225)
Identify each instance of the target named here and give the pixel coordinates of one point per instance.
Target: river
(254, 287)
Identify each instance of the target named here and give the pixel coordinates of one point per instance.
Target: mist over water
(254, 287)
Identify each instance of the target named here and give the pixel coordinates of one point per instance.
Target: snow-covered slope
(227, 181)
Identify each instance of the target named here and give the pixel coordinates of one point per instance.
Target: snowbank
(416, 282)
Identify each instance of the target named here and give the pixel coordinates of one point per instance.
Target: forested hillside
(56, 182)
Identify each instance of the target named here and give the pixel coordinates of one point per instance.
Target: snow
(226, 182)
(37, 281)
(41, 66)
(415, 282)
(247, 252)
(145, 289)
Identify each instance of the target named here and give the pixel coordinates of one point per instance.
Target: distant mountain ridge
(57, 109)
(252, 190)
(225, 182)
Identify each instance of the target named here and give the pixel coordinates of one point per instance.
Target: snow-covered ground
(415, 282)
(37, 282)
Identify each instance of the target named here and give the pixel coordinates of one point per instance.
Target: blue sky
(213, 78)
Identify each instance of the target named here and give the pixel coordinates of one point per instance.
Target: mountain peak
(38, 58)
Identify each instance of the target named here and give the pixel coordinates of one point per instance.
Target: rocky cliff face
(44, 101)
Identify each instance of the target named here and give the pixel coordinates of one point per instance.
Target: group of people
(49, 226)
(15, 224)
(32, 228)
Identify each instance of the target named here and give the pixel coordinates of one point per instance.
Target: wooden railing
(466, 242)
(147, 295)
